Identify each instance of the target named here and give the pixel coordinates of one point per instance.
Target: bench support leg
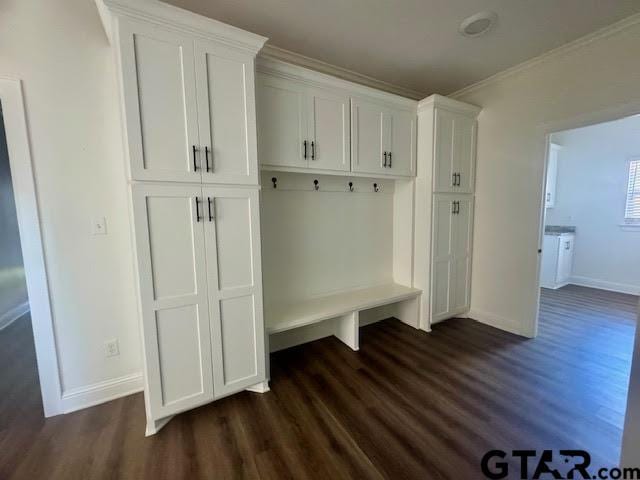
(347, 330)
(408, 311)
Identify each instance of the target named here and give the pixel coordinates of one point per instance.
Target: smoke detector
(478, 24)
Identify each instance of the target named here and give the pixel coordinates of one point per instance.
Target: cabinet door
(160, 103)
(402, 143)
(462, 234)
(443, 180)
(282, 122)
(328, 130)
(172, 273)
(565, 259)
(235, 287)
(442, 254)
(367, 128)
(464, 141)
(226, 114)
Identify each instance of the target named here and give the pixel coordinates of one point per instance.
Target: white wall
(601, 74)
(591, 192)
(61, 53)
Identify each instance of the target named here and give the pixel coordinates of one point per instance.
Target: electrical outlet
(111, 348)
(99, 226)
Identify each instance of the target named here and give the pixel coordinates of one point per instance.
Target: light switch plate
(99, 226)
(111, 348)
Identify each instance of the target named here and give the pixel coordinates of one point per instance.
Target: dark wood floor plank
(407, 405)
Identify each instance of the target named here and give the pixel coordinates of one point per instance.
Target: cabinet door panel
(235, 289)
(160, 103)
(402, 143)
(464, 153)
(462, 237)
(226, 111)
(367, 120)
(443, 161)
(282, 122)
(173, 290)
(565, 259)
(442, 253)
(329, 130)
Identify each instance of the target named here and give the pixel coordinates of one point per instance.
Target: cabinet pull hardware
(313, 150)
(453, 207)
(315, 185)
(567, 245)
(453, 179)
(210, 203)
(305, 149)
(351, 186)
(274, 180)
(459, 180)
(198, 218)
(390, 159)
(548, 196)
(206, 158)
(376, 188)
(195, 165)
(385, 160)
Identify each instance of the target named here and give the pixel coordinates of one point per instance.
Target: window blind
(632, 209)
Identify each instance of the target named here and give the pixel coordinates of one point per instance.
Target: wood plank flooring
(407, 405)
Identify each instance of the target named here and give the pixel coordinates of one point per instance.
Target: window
(632, 209)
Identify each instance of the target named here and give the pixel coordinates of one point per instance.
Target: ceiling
(415, 44)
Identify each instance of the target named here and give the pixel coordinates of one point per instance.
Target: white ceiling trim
(277, 53)
(554, 53)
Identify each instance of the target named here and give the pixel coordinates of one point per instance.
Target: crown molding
(276, 53)
(169, 16)
(449, 104)
(551, 54)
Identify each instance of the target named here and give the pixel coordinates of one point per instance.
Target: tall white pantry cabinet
(445, 187)
(188, 97)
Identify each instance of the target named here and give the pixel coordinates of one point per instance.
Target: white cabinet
(309, 122)
(454, 156)
(552, 176)
(557, 260)
(383, 138)
(301, 126)
(189, 107)
(198, 252)
(451, 255)
(444, 201)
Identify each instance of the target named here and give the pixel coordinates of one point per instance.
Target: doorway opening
(589, 275)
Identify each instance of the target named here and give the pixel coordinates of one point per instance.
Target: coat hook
(351, 186)
(274, 180)
(376, 188)
(315, 185)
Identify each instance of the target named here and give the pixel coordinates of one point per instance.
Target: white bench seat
(344, 308)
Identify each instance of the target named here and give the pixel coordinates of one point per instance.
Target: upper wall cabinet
(300, 126)
(310, 122)
(455, 137)
(383, 138)
(189, 105)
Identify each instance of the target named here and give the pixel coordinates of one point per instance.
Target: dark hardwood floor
(407, 405)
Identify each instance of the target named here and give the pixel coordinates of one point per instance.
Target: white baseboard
(83, 397)
(12, 315)
(605, 285)
(499, 322)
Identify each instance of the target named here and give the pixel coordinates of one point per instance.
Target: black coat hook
(315, 185)
(376, 188)
(274, 180)
(351, 186)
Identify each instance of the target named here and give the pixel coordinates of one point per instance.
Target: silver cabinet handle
(567, 245)
(198, 217)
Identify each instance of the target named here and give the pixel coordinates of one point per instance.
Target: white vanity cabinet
(557, 260)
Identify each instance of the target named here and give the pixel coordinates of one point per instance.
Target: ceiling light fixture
(478, 24)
